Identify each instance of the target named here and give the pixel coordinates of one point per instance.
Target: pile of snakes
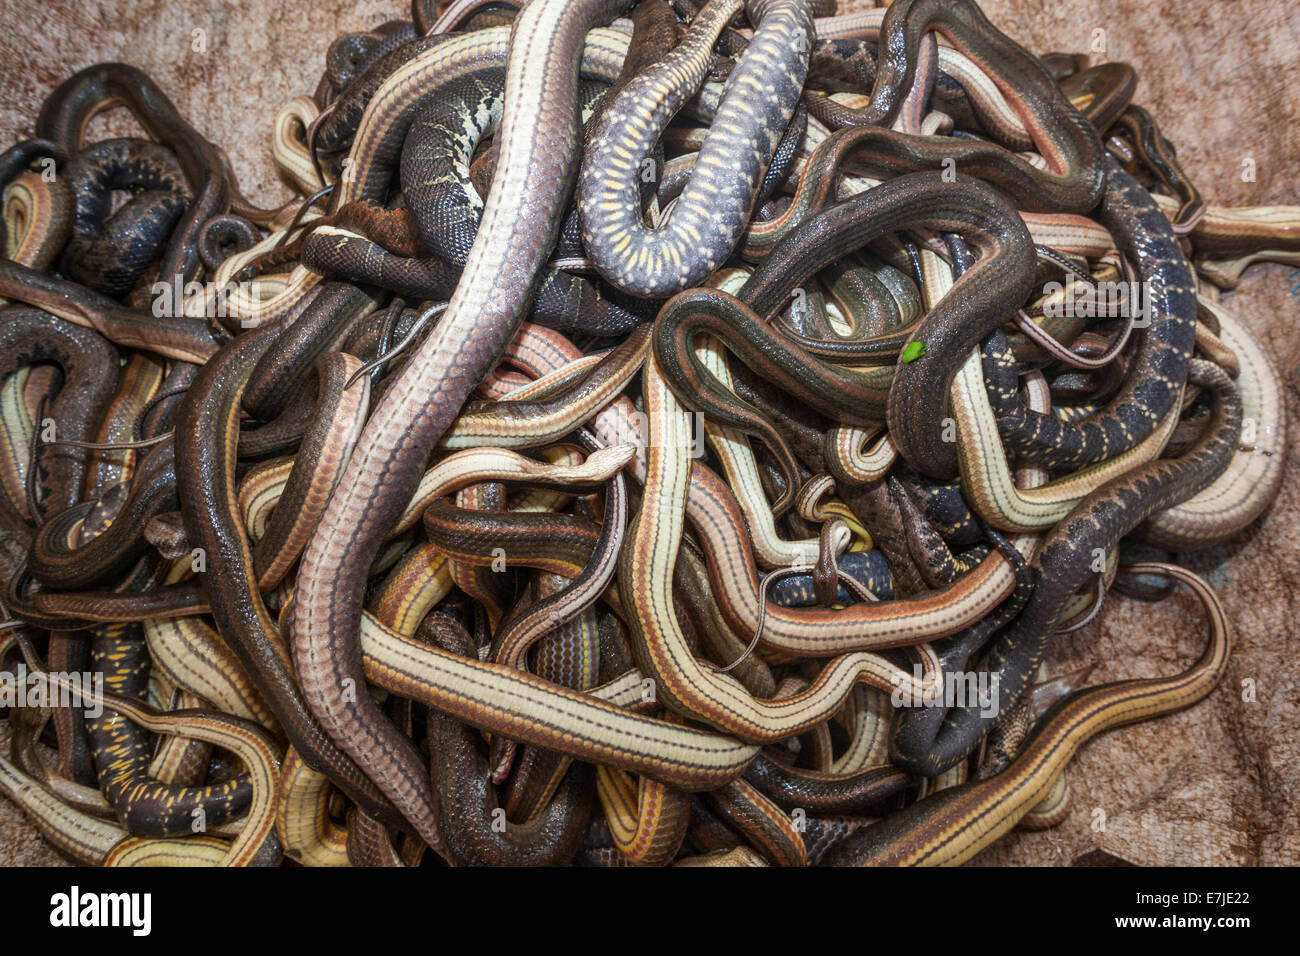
(654, 433)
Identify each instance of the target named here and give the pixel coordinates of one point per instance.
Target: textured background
(1217, 785)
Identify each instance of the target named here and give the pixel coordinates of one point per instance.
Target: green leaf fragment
(913, 351)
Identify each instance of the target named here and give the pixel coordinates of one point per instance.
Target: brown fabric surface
(1213, 785)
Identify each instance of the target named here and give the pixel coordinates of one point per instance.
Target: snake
(90, 369)
(866, 447)
(303, 824)
(1250, 482)
(205, 463)
(436, 184)
(706, 220)
(58, 560)
(466, 800)
(1157, 154)
(539, 156)
(181, 337)
(1071, 146)
(69, 108)
(920, 386)
(1066, 559)
(37, 219)
(192, 654)
(987, 480)
(950, 827)
(1157, 369)
(121, 752)
(256, 843)
(110, 254)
